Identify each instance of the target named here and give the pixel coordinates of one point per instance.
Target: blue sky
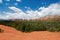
(33, 4)
(24, 5)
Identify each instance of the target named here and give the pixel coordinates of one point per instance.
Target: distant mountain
(46, 18)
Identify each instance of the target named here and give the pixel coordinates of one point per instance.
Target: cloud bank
(51, 10)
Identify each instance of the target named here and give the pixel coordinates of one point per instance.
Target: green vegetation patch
(53, 26)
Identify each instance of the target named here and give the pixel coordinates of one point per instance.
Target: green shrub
(34, 26)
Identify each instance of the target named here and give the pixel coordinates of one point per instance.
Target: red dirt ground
(12, 34)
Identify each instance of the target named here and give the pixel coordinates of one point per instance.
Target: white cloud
(6, 4)
(27, 7)
(17, 10)
(16, 4)
(8, 0)
(32, 14)
(53, 9)
(41, 8)
(0, 1)
(19, 13)
(18, 0)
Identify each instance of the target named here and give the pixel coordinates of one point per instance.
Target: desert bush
(1, 30)
(34, 26)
